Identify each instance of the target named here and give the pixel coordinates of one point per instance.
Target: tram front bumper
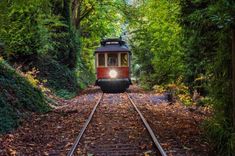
(114, 82)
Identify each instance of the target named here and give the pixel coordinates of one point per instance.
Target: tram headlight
(113, 73)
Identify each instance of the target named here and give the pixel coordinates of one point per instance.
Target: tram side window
(124, 59)
(112, 60)
(101, 60)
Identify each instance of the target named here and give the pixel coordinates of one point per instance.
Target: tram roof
(112, 48)
(112, 45)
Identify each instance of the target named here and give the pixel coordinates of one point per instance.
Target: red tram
(112, 60)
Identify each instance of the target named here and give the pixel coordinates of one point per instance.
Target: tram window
(101, 60)
(124, 59)
(112, 60)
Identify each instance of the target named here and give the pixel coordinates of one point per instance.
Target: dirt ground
(177, 127)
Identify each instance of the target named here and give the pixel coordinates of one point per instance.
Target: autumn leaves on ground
(115, 129)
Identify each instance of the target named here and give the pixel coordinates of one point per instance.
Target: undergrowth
(84, 77)
(17, 95)
(221, 134)
(58, 78)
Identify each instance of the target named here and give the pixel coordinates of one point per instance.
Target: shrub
(221, 134)
(59, 78)
(17, 95)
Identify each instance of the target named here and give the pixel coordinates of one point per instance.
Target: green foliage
(155, 41)
(16, 96)
(219, 130)
(65, 94)
(37, 35)
(104, 21)
(204, 101)
(189, 40)
(74, 54)
(26, 27)
(59, 78)
(180, 91)
(84, 76)
(68, 38)
(207, 33)
(8, 118)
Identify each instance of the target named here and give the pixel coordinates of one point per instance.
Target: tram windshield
(112, 59)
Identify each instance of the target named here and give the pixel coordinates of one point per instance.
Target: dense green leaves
(17, 94)
(156, 41)
(27, 28)
(105, 20)
(58, 77)
(207, 32)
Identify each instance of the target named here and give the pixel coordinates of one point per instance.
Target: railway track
(125, 147)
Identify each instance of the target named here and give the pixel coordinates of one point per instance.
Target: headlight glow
(113, 73)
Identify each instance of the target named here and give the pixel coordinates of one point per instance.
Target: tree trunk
(233, 67)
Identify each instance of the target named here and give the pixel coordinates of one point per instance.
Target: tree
(94, 21)
(26, 29)
(207, 28)
(155, 37)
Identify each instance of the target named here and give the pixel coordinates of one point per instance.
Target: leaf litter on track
(177, 127)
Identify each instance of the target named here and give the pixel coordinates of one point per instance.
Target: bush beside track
(59, 78)
(17, 95)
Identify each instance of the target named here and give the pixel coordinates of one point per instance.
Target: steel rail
(159, 147)
(74, 147)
